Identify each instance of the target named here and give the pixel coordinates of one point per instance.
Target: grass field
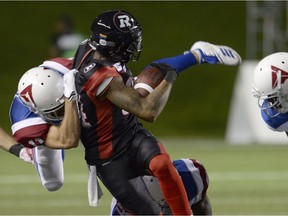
(244, 180)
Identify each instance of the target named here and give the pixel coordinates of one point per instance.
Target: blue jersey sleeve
(19, 112)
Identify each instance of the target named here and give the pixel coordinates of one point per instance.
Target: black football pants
(119, 175)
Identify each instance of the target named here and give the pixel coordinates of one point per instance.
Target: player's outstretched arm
(9, 144)
(6, 141)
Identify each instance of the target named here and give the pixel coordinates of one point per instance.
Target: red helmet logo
(275, 74)
(26, 94)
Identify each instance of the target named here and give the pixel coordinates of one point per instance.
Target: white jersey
(28, 128)
(31, 130)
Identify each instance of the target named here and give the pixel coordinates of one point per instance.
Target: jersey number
(36, 142)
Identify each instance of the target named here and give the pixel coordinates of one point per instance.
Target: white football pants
(50, 167)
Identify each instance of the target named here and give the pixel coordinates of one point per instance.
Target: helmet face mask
(270, 84)
(135, 48)
(117, 35)
(41, 90)
(54, 114)
(272, 105)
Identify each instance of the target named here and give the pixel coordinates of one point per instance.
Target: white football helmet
(41, 89)
(270, 84)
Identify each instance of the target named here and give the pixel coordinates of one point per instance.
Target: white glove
(69, 85)
(26, 154)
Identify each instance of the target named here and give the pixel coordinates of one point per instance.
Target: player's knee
(45, 159)
(45, 156)
(53, 186)
(160, 165)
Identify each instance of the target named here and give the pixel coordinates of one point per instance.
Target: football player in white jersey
(270, 87)
(37, 105)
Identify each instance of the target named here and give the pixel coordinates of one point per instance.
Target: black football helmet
(117, 35)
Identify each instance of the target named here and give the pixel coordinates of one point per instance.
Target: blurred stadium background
(244, 179)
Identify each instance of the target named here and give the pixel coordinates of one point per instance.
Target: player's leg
(118, 209)
(195, 180)
(49, 165)
(147, 151)
(131, 192)
(171, 184)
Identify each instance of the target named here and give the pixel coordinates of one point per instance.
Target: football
(148, 80)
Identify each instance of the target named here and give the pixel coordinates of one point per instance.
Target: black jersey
(106, 130)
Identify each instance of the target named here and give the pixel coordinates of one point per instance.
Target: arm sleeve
(180, 62)
(30, 134)
(27, 128)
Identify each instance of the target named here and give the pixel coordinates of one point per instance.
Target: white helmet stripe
(26, 123)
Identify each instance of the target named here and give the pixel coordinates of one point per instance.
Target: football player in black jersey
(115, 142)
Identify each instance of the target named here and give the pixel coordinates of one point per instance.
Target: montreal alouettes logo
(26, 94)
(275, 73)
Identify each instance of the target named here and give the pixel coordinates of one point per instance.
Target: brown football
(148, 80)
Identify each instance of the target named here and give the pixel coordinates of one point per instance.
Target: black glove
(170, 72)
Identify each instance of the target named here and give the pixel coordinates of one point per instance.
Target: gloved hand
(26, 154)
(170, 72)
(69, 85)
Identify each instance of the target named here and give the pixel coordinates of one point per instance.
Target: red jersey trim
(32, 136)
(97, 78)
(104, 109)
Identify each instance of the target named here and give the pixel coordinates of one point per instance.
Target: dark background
(200, 100)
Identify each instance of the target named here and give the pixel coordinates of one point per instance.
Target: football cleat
(215, 54)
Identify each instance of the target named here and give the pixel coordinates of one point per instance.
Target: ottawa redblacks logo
(123, 22)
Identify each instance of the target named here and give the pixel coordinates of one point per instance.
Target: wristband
(15, 149)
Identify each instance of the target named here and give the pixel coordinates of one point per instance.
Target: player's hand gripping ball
(148, 80)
